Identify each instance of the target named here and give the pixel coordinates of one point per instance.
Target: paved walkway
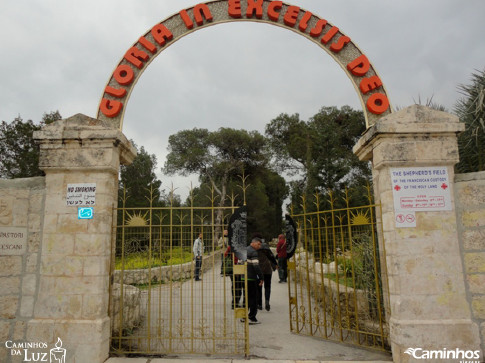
(272, 341)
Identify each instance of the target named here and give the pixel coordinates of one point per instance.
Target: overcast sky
(58, 55)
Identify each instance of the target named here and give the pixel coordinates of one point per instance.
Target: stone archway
(427, 300)
(403, 140)
(369, 87)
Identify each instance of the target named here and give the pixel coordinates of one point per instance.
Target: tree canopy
(264, 198)
(215, 155)
(139, 179)
(19, 154)
(471, 110)
(319, 150)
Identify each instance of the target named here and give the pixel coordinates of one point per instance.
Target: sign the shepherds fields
(421, 189)
(370, 89)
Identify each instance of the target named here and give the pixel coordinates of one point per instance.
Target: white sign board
(81, 195)
(13, 241)
(421, 189)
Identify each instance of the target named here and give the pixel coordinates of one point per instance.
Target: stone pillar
(72, 303)
(426, 305)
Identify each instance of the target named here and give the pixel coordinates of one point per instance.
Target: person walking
(198, 250)
(282, 258)
(268, 264)
(227, 268)
(222, 243)
(255, 278)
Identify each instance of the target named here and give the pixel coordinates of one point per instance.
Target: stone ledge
(85, 130)
(479, 175)
(37, 182)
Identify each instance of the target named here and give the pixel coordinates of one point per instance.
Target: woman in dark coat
(268, 264)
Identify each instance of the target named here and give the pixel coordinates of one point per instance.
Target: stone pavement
(223, 360)
(272, 341)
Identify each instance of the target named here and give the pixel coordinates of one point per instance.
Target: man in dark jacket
(255, 278)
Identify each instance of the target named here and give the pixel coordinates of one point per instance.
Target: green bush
(142, 260)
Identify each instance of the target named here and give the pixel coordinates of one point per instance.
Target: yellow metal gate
(156, 305)
(334, 285)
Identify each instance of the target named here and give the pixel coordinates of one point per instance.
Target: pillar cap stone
(85, 129)
(413, 120)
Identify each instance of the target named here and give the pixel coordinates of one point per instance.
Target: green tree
(19, 154)
(139, 178)
(471, 110)
(215, 156)
(48, 118)
(264, 198)
(319, 150)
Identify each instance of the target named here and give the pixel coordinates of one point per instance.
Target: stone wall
(133, 308)
(426, 296)
(162, 274)
(21, 210)
(470, 209)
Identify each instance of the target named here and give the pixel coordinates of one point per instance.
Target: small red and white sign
(421, 189)
(405, 219)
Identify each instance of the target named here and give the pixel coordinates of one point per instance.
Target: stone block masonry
(73, 295)
(21, 211)
(470, 211)
(427, 298)
(55, 268)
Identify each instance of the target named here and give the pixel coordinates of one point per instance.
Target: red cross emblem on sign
(444, 186)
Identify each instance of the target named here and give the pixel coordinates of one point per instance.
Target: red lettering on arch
(189, 24)
(340, 44)
(135, 56)
(115, 92)
(161, 34)
(370, 84)
(377, 103)
(110, 108)
(359, 66)
(123, 74)
(329, 35)
(273, 8)
(291, 15)
(234, 9)
(255, 6)
(147, 44)
(202, 9)
(370, 87)
(304, 21)
(317, 29)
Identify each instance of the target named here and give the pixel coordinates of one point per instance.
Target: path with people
(272, 339)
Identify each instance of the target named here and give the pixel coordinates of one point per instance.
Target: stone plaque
(13, 241)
